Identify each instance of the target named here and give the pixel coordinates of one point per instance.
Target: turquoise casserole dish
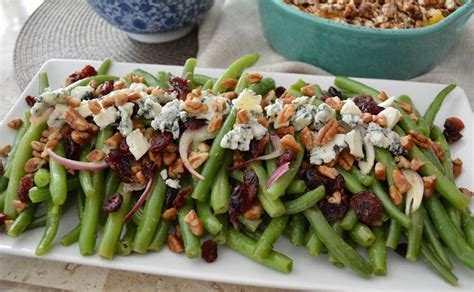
(351, 50)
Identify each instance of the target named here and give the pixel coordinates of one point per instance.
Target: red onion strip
(76, 165)
(43, 117)
(141, 200)
(268, 156)
(281, 170)
(187, 139)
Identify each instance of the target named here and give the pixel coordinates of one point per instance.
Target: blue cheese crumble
(82, 92)
(125, 126)
(326, 153)
(47, 99)
(351, 114)
(168, 120)
(384, 138)
(324, 114)
(56, 118)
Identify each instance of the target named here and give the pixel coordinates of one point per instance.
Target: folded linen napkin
(233, 28)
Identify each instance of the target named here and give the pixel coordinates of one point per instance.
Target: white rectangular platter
(308, 272)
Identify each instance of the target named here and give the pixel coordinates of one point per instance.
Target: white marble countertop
(36, 274)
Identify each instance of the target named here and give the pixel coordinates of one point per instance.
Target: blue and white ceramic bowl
(152, 21)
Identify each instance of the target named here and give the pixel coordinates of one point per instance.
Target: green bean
(216, 154)
(43, 81)
(350, 220)
(393, 236)
(332, 258)
(362, 234)
(430, 259)
(250, 224)
(220, 193)
(274, 208)
(209, 84)
(438, 136)
(3, 182)
(163, 79)
(58, 180)
(104, 67)
(278, 188)
(209, 220)
(366, 180)
(39, 221)
(377, 252)
(151, 216)
(22, 221)
(270, 164)
(23, 153)
(455, 216)
(305, 201)
(245, 245)
(336, 245)
(298, 84)
(393, 211)
(192, 243)
(314, 245)
(296, 187)
(235, 70)
(113, 226)
(468, 227)
(38, 195)
(221, 237)
(263, 86)
(348, 84)
(160, 235)
(451, 237)
(149, 79)
(422, 124)
(434, 107)
(42, 177)
(124, 247)
(201, 79)
(52, 226)
(242, 83)
(188, 69)
(271, 234)
(238, 175)
(18, 137)
(2, 200)
(431, 236)
(138, 217)
(112, 181)
(297, 225)
(350, 182)
(415, 232)
(99, 79)
(443, 185)
(72, 236)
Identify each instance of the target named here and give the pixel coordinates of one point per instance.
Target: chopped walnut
(114, 141)
(195, 106)
(73, 102)
(400, 181)
(335, 198)
(197, 158)
(402, 162)
(215, 124)
(96, 155)
(75, 120)
(416, 164)
(406, 107)
(429, 185)
(457, 167)
(5, 150)
(141, 177)
(254, 77)
(420, 140)
(395, 195)
(438, 150)
(170, 214)
(406, 142)
(466, 192)
(366, 118)
(169, 158)
(33, 164)
(80, 137)
(345, 159)
(243, 117)
(287, 98)
(229, 83)
(381, 121)
(379, 171)
(194, 223)
(15, 124)
(329, 172)
(335, 103)
(382, 96)
(309, 90)
(254, 212)
(176, 169)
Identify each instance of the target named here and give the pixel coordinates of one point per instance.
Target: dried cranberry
(452, 129)
(242, 197)
(113, 203)
(368, 207)
(256, 148)
(3, 218)
(107, 87)
(180, 84)
(279, 91)
(209, 251)
(26, 183)
(72, 149)
(287, 156)
(367, 104)
(30, 100)
(193, 123)
(333, 91)
(250, 186)
(160, 141)
(87, 71)
(333, 212)
(180, 199)
(121, 163)
(401, 249)
(148, 167)
(234, 205)
(170, 197)
(314, 179)
(123, 147)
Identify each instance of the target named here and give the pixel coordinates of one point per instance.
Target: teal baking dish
(350, 50)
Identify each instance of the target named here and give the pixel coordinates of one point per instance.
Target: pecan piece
(379, 171)
(327, 133)
(254, 212)
(243, 117)
(175, 244)
(420, 140)
(170, 214)
(254, 77)
(395, 195)
(75, 120)
(194, 223)
(457, 167)
(416, 164)
(197, 158)
(96, 155)
(437, 150)
(401, 182)
(406, 142)
(429, 185)
(345, 159)
(307, 138)
(288, 142)
(328, 172)
(283, 119)
(215, 124)
(290, 130)
(309, 90)
(15, 124)
(406, 107)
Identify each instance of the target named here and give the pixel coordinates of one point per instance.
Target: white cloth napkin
(233, 28)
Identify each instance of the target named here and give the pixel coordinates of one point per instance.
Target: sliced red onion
(281, 170)
(141, 200)
(76, 165)
(275, 141)
(268, 156)
(35, 120)
(186, 141)
(133, 187)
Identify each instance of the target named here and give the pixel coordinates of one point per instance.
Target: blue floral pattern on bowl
(151, 16)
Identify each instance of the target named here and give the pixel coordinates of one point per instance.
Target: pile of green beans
(290, 207)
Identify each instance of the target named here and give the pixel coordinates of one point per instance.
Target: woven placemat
(70, 29)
